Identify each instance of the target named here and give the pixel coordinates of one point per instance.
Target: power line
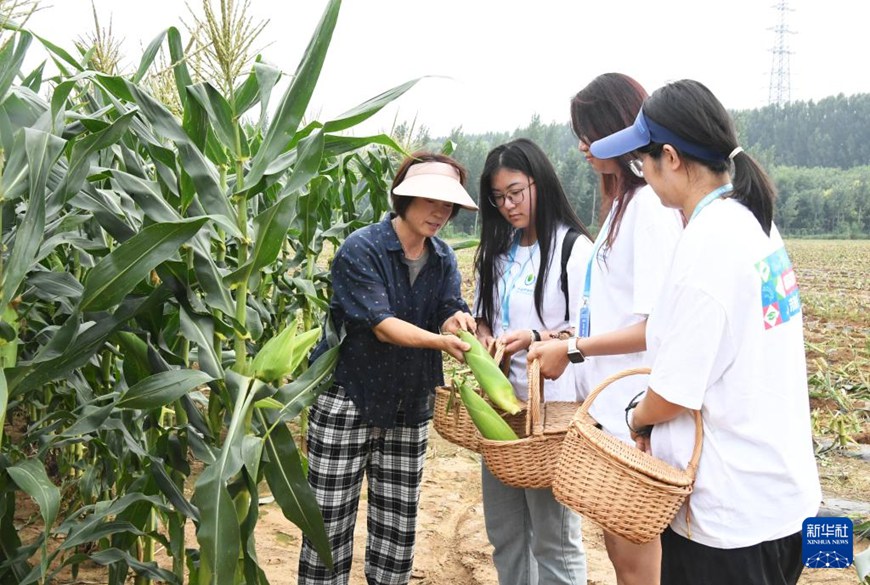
(780, 72)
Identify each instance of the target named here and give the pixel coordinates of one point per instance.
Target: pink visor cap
(435, 180)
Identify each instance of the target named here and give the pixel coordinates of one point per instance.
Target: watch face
(575, 355)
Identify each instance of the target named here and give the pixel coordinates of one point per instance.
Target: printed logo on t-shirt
(780, 299)
(530, 279)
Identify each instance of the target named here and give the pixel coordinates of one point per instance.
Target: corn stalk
(155, 271)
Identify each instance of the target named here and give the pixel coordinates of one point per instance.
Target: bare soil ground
(452, 547)
(451, 541)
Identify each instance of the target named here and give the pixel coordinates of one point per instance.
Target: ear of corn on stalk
(485, 418)
(487, 373)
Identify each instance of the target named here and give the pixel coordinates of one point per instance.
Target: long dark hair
(496, 234)
(690, 110)
(609, 103)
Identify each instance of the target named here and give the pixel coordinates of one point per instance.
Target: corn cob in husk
(487, 373)
(485, 418)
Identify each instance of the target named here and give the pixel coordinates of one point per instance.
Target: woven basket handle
(583, 412)
(535, 413)
(497, 351)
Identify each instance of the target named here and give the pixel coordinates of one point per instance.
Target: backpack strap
(567, 246)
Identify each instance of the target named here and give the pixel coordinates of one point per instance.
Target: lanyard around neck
(584, 321)
(710, 197)
(508, 289)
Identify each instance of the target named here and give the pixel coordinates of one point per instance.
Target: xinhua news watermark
(828, 543)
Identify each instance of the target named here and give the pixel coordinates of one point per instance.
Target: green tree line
(818, 154)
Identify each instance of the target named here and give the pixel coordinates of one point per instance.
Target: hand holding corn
(487, 373)
(459, 321)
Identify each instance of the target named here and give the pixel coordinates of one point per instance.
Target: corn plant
(161, 287)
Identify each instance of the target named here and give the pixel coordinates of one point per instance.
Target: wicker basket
(452, 420)
(628, 492)
(529, 462)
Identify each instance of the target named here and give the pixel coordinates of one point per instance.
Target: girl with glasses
(726, 338)
(519, 300)
(624, 275)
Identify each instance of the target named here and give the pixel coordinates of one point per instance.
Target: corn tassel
(487, 373)
(485, 418)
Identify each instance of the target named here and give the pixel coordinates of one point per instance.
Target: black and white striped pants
(341, 450)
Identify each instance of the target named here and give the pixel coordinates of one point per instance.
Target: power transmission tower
(780, 73)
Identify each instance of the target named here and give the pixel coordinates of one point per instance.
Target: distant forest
(818, 154)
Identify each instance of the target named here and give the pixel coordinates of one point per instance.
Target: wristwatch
(574, 354)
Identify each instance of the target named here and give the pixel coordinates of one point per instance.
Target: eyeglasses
(636, 166)
(515, 196)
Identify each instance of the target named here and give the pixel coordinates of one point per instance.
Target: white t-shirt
(520, 276)
(727, 337)
(626, 280)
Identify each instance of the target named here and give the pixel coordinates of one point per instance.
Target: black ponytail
(690, 110)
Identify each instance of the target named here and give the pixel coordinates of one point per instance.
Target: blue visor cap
(643, 132)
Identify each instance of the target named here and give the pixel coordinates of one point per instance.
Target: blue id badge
(583, 328)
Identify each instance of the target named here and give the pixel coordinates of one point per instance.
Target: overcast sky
(499, 62)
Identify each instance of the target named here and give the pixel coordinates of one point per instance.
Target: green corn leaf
(201, 171)
(118, 273)
(179, 63)
(152, 571)
(91, 419)
(83, 152)
(30, 476)
(263, 81)
(33, 80)
(42, 151)
(88, 342)
(338, 145)
(57, 51)
(219, 114)
(101, 530)
(297, 97)
(11, 58)
(148, 56)
(56, 284)
(172, 492)
(272, 224)
(367, 109)
(200, 331)
(59, 96)
(219, 533)
(289, 484)
(13, 181)
(162, 388)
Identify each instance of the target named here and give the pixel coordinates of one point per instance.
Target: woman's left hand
(459, 320)
(642, 442)
(516, 340)
(553, 356)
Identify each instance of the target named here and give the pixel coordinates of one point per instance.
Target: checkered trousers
(342, 449)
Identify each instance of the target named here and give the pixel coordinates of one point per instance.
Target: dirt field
(451, 542)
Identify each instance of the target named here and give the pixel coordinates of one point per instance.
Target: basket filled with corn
(528, 461)
(451, 415)
(623, 489)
